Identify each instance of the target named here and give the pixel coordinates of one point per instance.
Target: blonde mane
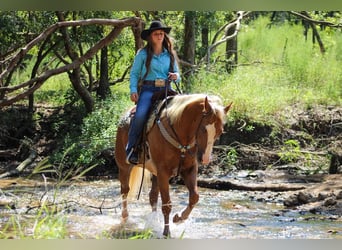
(179, 102)
(176, 107)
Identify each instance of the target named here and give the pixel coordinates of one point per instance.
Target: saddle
(159, 101)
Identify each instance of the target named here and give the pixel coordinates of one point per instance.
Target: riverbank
(298, 153)
(300, 156)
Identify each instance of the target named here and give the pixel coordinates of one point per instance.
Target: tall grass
(46, 223)
(277, 68)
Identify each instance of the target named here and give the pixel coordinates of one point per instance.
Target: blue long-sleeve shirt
(159, 68)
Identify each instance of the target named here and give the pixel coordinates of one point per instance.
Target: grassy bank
(277, 68)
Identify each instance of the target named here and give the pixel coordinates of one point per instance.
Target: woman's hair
(167, 44)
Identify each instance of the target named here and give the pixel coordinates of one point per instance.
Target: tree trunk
(75, 78)
(139, 43)
(189, 37)
(231, 50)
(75, 75)
(189, 44)
(205, 41)
(103, 88)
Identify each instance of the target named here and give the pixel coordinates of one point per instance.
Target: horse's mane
(180, 102)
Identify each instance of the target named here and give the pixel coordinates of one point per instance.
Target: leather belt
(156, 83)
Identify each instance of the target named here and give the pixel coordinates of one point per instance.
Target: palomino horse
(176, 138)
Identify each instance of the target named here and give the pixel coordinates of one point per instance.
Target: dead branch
(9, 153)
(21, 166)
(58, 206)
(225, 37)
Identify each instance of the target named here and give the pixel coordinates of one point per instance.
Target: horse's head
(211, 127)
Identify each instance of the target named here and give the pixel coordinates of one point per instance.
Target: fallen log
(21, 166)
(9, 153)
(230, 185)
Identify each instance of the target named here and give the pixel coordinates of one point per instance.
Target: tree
(189, 43)
(11, 94)
(230, 31)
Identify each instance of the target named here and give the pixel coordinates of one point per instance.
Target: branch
(122, 78)
(236, 23)
(38, 81)
(305, 15)
(133, 21)
(330, 24)
(21, 166)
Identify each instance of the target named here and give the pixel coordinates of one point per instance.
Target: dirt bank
(301, 156)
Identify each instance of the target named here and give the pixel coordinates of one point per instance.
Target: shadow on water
(93, 210)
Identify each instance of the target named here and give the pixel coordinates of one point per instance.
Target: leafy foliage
(97, 133)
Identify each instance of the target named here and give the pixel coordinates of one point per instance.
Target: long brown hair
(167, 44)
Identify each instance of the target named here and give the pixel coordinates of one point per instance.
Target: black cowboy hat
(155, 25)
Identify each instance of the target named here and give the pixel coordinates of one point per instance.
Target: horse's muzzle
(203, 159)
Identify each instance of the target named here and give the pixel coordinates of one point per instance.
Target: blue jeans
(141, 114)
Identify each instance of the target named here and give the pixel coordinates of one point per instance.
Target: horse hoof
(166, 235)
(124, 220)
(177, 219)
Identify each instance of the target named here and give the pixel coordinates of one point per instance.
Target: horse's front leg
(124, 181)
(190, 181)
(163, 184)
(154, 193)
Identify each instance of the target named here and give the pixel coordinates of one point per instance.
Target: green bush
(97, 133)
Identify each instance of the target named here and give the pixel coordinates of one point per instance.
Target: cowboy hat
(155, 25)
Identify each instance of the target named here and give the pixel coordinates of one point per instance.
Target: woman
(155, 65)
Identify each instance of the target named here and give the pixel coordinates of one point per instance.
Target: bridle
(174, 140)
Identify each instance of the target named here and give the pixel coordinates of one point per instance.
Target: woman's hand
(173, 76)
(134, 97)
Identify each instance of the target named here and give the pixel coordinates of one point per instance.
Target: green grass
(45, 224)
(271, 76)
(54, 90)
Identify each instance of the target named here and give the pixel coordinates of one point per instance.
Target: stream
(92, 210)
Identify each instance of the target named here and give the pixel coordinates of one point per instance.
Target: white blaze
(211, 131)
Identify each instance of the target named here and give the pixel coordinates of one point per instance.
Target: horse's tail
(140, 180)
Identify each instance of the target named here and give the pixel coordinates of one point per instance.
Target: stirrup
(132, 157)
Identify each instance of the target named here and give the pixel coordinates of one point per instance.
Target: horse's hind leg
(190, 181)
(154, 193)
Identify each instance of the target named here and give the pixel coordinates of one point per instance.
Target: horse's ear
(227, 108)
(207, 106)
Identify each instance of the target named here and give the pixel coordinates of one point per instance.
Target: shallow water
(93, 210)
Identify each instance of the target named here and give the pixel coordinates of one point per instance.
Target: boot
(132, 157)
